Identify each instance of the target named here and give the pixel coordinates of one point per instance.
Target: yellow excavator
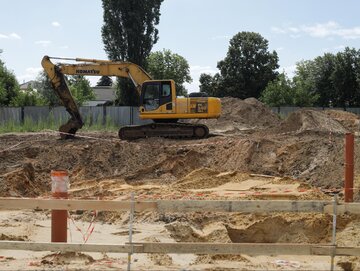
(158, 101)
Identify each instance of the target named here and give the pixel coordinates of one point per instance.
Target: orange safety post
(59, 189)
(349, 167)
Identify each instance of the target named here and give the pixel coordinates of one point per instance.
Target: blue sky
(199, 30)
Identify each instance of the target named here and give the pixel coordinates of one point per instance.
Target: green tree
(323, 68)
(104, 81)
(45, 89)
(9, 87)
(129, 34)
(78, 85)
(304, 93)
(345, 78)
(211, 84)
(80, 89)
(248, 66)
(29, 97)
(167, 65)
(278, 92)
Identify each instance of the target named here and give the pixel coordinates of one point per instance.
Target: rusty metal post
(349, 167)
(59, 189)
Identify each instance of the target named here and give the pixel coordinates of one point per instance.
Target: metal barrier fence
(286, 110)
(117, 115)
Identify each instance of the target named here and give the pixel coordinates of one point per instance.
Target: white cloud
(55, 24)
(289, 70)
(11, 36)
(334, 49)
(30, 74)
(44, 43)
(221, 37)
(329, 29)
(197, 70)
(64, 47)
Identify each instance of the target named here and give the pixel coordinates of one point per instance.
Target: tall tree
(80, 89)
(29, 97)
(104, 81)
(129, 34)
(345, 78)
(167, 65)
(278, 92)
(248, 66)
(45, 89)
(9, 86)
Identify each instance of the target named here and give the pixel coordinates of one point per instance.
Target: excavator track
(168, 130)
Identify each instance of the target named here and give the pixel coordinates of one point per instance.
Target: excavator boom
(89, 67)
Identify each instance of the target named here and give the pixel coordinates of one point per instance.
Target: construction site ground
(251, 154)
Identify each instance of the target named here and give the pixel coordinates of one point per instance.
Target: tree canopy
(333, 78)
(104, 81)
(129, 34)
(167, 65)
(79, 87)
(247, 68)
(9, 86)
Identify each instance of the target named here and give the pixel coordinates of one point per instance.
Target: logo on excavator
(87, 71)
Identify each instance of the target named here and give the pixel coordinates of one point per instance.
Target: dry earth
(252, 154)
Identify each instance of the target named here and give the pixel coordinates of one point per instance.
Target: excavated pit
(252, 155)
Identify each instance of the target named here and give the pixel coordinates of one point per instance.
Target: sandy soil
(252, 154)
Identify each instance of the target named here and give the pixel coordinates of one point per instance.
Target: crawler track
(168, 130)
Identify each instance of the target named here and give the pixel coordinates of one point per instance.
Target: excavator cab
(157, 96)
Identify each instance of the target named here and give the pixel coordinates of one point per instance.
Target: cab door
(156, 96)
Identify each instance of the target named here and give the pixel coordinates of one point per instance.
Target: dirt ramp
(311, 120)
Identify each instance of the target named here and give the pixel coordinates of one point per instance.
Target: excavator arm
(88, 67)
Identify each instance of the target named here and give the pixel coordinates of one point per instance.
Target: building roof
(104, 93)
(25, 85)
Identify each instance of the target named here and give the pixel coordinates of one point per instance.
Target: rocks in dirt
(5, 237)
(65, 258)
(183, 232)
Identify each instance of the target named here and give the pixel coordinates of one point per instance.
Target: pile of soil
(349, 120)
(237, 115)
(311, 120)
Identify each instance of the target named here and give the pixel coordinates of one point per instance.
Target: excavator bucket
(58, 82)
(69, 129)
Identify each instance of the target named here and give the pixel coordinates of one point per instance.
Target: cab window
(151, 96)
(166, 90)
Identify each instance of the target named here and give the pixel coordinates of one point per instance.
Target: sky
(198, 30)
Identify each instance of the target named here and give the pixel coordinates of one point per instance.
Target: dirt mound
(303, 229)
(207, 178)
(349, 120)
(240, 115)
(183, 232)
(311, 120)
(64, 258)
(22, 182)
